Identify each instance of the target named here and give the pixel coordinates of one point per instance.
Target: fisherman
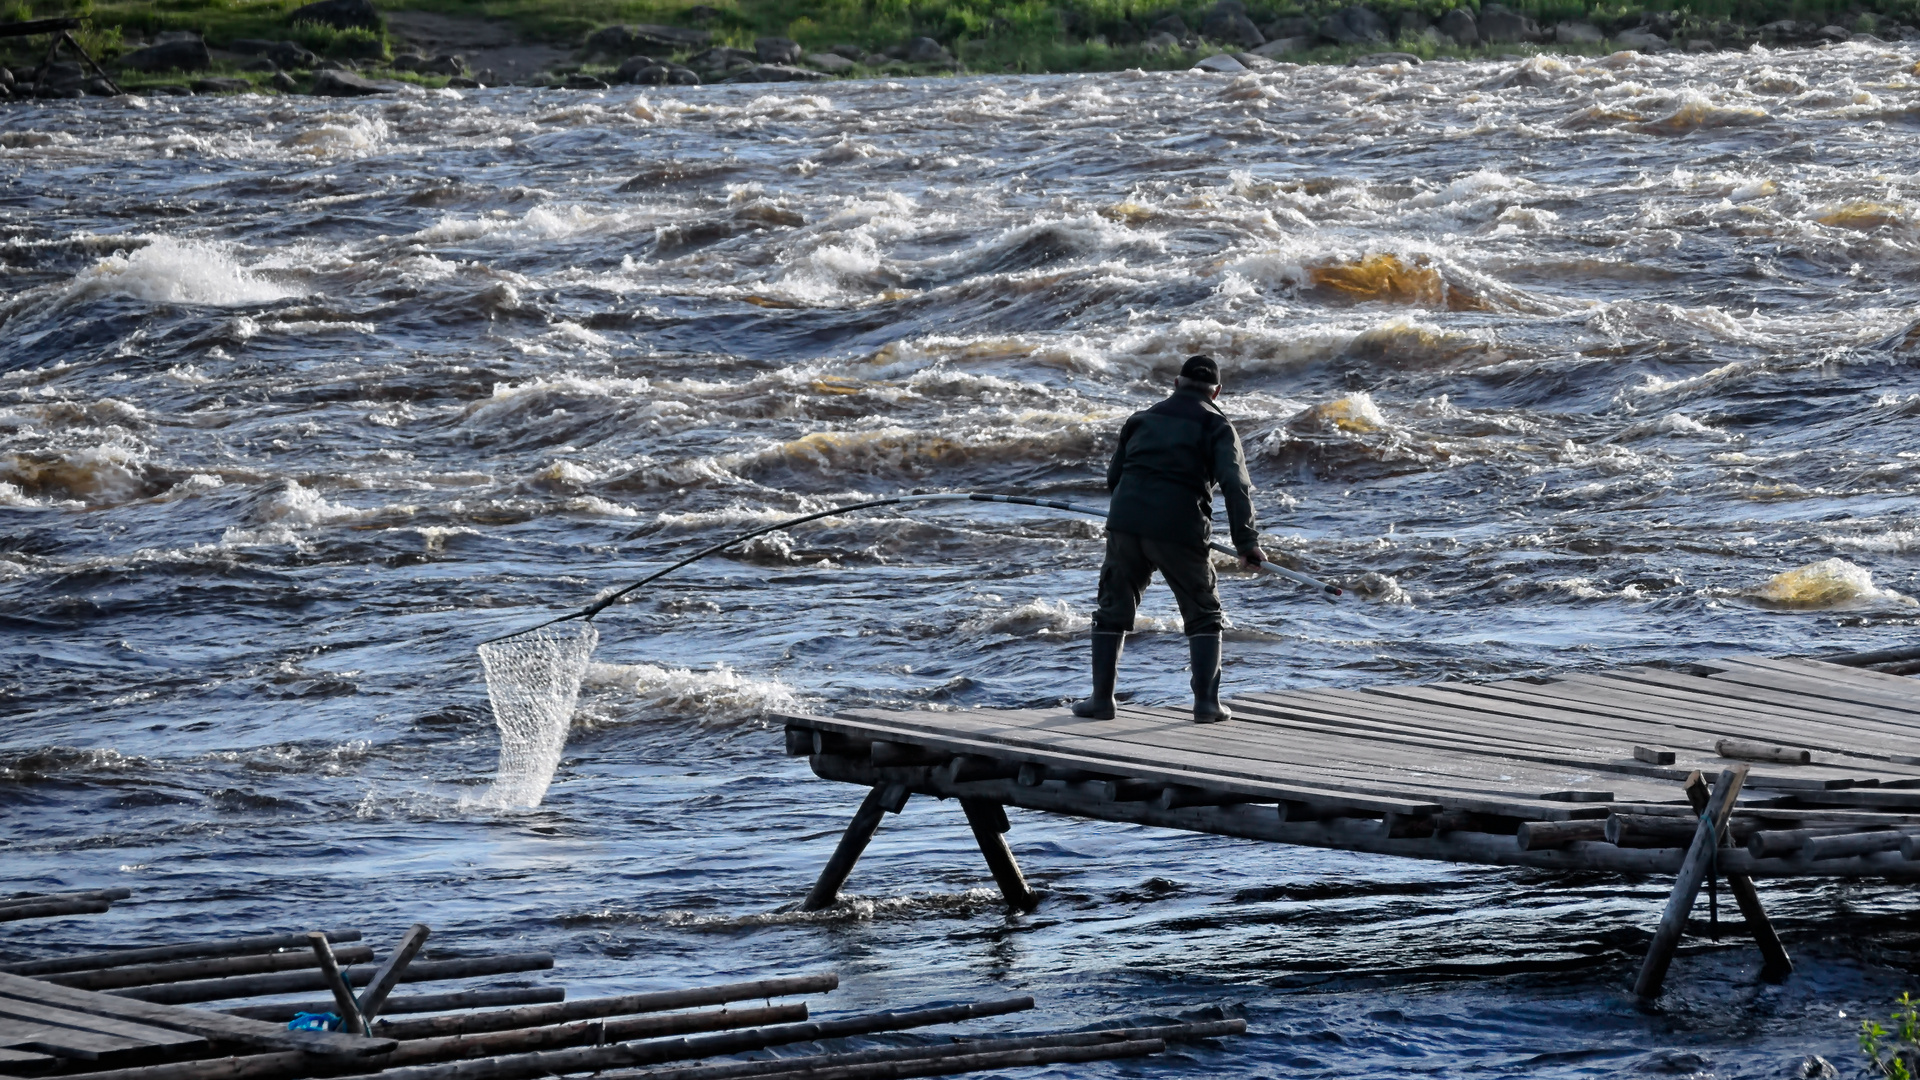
(1162, 478)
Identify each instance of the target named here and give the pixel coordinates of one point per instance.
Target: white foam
(165, 271)
(720, 695)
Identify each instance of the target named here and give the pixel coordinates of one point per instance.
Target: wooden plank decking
(1585, 771)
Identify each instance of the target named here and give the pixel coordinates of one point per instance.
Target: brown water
(1559, 363)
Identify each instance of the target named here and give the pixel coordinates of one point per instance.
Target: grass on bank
(987, 35)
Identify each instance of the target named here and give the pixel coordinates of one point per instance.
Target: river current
(1559, 363)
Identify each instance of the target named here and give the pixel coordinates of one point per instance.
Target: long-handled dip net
(533, 675)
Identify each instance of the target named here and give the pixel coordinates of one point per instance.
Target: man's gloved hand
(1252, 558)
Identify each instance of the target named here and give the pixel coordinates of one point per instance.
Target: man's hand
(1251, 560)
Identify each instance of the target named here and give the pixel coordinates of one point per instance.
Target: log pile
(122, 1015)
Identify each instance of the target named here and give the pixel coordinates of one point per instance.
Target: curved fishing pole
(587, 613)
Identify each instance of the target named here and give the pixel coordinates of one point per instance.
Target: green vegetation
(986, 35)
(1894, 1053)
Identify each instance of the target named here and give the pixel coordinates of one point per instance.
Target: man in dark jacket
(1162, 476)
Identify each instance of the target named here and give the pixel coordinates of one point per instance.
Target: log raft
(1621, 770)
(74, 1017)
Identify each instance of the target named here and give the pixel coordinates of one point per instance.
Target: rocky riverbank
(352, 48)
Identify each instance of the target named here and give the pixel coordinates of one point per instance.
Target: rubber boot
(1204, 649)
(1106, 671)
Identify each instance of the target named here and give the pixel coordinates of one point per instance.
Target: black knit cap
(1201, 369)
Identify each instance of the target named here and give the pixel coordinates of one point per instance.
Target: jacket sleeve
(1236, 488)
(1119, 460)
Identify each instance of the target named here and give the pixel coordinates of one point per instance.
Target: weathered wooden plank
(415, 1003)
(43, 1013)
(25, 1062)
(66, 1042)
(389, 973)
(1167, 769)
(1686, 886)
(211, 1025)
(164, 953)
(595, 1008)
(1880, 727)
(1842, 684)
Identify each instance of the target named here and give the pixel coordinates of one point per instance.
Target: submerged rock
(1220, 64)
(347, 84)
(339, 14)
(775, 73)
(190, 55)
(1379, 58)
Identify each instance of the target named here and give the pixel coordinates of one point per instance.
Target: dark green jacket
(1164, 471)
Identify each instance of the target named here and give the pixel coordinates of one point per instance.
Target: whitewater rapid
(1556, 362)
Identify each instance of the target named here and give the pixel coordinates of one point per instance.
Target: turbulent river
(1559, 364)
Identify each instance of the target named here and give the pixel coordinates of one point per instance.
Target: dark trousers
(1131, 561)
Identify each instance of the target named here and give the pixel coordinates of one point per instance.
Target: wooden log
(418, 1053)
(965, 768)
(896, 753)
(1844, 845)
(147, 1034)
(1774, 843)
(54, 898)
(1753, 751)
(154, 974)
(989, 823)
(165, 953)
(30, 27)
(866, 822)
(415, 1003)
(630, 1055)
(1660, 831)
(738, 1070)
(211, 1025)
(54, 909)
(1177, 796)
(1775, 964)
(799, 741)
(623, 1005)
(1686, 887)
(949, 1064)
(1653, 755)
(349, 1010)
(1536, 835)
(388, 974)
(293, 982)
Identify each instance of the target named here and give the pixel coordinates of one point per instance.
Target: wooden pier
(1743, 767)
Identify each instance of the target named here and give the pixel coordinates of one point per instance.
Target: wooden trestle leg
(989, 821)
(1775, 963)
(883, 799)
(1686, 887)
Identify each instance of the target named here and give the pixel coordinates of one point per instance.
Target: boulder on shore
(776, 50)
(222, 86)
(1499, 24)
(622, 40)
(1640, 41)
(169, 56)
(925, 50)
(1354, 25)
(339, 14)
(1460, 25)
(831, 63)
(1278, 47)
(1578, 33)
(346, 84)
(1228, 23)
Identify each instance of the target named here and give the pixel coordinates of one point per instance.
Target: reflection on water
(1558, 362)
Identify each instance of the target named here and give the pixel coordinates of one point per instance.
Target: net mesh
(533, 680)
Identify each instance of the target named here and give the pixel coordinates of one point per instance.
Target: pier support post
(883, 799)
(989, 821)
(1686, 887)
(1775, 963)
